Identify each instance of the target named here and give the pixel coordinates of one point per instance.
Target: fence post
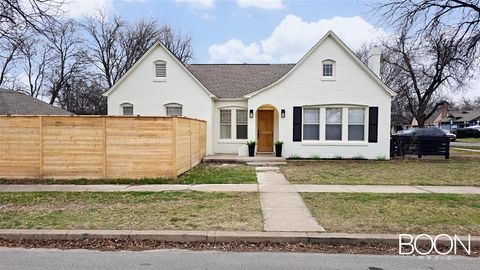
(40, 131)
(104, 147)
(174, 147)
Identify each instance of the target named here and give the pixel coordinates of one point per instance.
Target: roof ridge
(239, 64)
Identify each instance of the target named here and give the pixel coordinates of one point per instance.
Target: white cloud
(292, 38)
(198, 4)
(235, 51)
(79, 8)
(265, 4)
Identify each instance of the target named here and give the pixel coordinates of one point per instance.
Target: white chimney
(374, 59)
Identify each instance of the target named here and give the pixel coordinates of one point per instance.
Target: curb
(217, 236)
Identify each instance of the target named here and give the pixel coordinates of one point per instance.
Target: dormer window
(160, 70)
(328, 69)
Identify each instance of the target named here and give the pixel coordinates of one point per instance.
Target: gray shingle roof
(237, 80)
(13, 102)
(463, 116)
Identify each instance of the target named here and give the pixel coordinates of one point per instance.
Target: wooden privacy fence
(99, 146)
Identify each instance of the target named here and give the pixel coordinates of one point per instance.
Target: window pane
(327, 70)
(174, 111)
(311, 132)
(241, 131)
(356, 116)
(356, 132)
(241, 124)
(333, 132)
(241, 117)
(225, 132)
(127, 110)
(311, 116)
(334, 115)
(225, 117)
(225, 124)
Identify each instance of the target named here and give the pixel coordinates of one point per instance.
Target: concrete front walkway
(283, 208)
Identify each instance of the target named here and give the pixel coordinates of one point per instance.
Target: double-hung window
(311, 124)
(225, 124)
(242, 124)
(333, 125)
(356, 124)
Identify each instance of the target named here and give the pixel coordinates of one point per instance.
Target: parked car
(466, 132)
(430, 131)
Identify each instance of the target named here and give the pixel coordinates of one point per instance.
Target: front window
(225, 124)
(311, 124)
(333, 126)
(241, 124)
(328, 69)
(127, 109)
(356, 124)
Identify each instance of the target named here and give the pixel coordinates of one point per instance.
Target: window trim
(173, 105)
(159, 79)
(334, 70)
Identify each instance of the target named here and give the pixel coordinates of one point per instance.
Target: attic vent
(160, 70)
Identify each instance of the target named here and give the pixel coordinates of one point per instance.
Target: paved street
(178, 259)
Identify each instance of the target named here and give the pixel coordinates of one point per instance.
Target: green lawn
(456, 171)
(131, 211)
(396, 213)
(201, 174)
(469, 140)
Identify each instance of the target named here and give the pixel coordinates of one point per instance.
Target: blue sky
(252, 31)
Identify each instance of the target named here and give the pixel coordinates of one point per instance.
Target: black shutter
(297, 124)
(373, 124)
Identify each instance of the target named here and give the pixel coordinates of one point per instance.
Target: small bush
(337, 157)
(316, 157)
(295, 156)
(359, 157)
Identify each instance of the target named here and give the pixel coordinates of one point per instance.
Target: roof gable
(144, 56)
(349, 52)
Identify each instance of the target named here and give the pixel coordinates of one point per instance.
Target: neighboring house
(16, 103)
(460, 119)
(328, 104)
(448, 119)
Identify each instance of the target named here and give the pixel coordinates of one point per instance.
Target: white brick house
(327, 104)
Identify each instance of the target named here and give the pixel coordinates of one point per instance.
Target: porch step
(259, 160)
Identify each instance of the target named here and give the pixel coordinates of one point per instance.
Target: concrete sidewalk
(270, 183)
(283, 208)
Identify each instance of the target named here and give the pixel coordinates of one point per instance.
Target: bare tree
(36, 59)
(31, 13)
(82, 95)
(68, 57)
(9, 53)
(115, 45)
(425, 17)
(425, 68)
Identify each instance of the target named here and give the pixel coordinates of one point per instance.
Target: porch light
(251, 113)
(282, 114)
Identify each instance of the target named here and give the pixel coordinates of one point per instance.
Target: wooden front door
(265, 131)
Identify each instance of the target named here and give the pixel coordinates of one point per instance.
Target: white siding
(149, 96)
(304, 86)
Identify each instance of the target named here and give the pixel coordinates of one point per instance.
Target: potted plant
(251, 148)
(278, 148)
